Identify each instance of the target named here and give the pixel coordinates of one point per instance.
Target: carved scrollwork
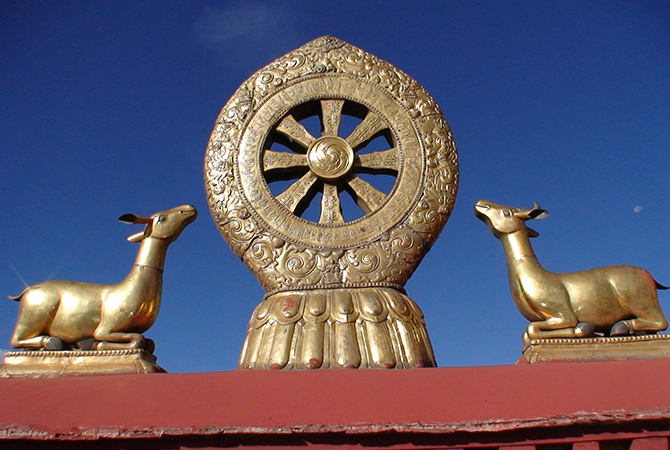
(423, 157)
(266, 168)
(442, 176)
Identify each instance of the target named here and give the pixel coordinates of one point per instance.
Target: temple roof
(264, 403)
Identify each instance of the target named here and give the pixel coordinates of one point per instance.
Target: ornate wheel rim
(330, 79)
(317, 156)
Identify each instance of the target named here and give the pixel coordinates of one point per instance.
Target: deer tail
(17, 298)
(660, 287)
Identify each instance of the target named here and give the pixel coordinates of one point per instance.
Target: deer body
(618, 299)
(114, 316)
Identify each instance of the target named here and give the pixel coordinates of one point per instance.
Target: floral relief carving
(334, 284)
(367, 262)
(361, 314)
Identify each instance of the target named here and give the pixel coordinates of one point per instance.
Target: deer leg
(554, 327)
(116, 340)
(32, 328)
(648, 317)
(626, 327)
(37, 342)
(641, 301)
(31, 334)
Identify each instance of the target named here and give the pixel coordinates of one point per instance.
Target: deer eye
(506, 213)
(162, 218)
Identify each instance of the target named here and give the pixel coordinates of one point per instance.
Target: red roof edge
(490, 405)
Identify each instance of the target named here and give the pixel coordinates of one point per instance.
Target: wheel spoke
(282, 160)
(367, 197)
(292, 196)
(282, 165)
(379, 161)
(370, 126)
(331, 211)
(331, 111)
(293, 130)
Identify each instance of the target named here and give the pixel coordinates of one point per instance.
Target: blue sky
(107, 107)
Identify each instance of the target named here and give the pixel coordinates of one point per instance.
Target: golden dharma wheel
(330, 173)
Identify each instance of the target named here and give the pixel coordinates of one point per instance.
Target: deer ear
(128, 218)
(132, 218)
(532, 233)
(537, 212)
(137, 237)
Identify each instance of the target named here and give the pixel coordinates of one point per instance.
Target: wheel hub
(330, 158)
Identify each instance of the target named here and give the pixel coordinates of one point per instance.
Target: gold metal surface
(609, 301)
(337, 328)
(330, 158)
(66, 314)
(53, 363)
(648, 346)
(267, 166)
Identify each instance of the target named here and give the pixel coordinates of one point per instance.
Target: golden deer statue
(57, 314)
(618, 300)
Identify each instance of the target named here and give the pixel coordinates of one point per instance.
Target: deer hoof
(98, 345)
(149, 345)
(86, 344)
(644, 333)
(53, 343)
(620, 329)
(585, 329)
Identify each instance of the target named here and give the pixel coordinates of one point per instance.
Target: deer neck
(141, 289)
(152, 253)
(518, 250)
